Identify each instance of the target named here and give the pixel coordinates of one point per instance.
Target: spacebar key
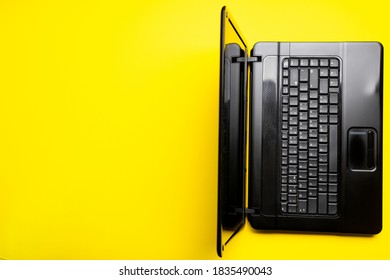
(333, 148)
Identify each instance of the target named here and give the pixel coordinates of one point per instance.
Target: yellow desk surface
(109, 126)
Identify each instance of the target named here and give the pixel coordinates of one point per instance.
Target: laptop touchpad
(362, 147)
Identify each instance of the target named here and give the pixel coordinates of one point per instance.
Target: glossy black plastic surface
(359, 143)
(232, 132)
(360, 190)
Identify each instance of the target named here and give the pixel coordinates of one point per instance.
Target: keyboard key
(323, 138)
(313, 133)
(313, 114)
(302, 164)
(302, 194)
(303, 116)
(332, 177)
(302, 184)
(333, 98)
(302, 175)
(302, 206)
(293, 111)
(304, 62)
(322, 178)
(303, 145)
(332, 208)
(285, 90)
(323, 148)
(293, 77)
(332, 197)
(313, 183)
(313, 104)
(293, 150)
(283, 207)
(334, 73)
(323, 119)
(313, 94)
(292, 189)
(313, 153)
(293, 169)
(303, 106)
(313, 62)
(285, 63)
(293, 130)
(313, 163)
(322, 203)
(323, 158)
(302, 135)
(333, 83)
(322, 187)
(323, 109)
(302, 125)
(283, 196)
(304, 75)
(332, 187)
(294, 121)
(293, 140)
(303, 96)
(293, 91)
(324, 72)
(313, 143)
(294, 62)
(312, 205)
(312, 192)
(313, 78)
(313, 173)
(323, 99)
(323, 86)
(313, 123)
(292, 160)
(324, 62)
(302, 155)
(323, 128)
(322, 167)
(303, 87)
(292, 198)
(333, 119)
(333, 109)
(292, 208)
(334, 62)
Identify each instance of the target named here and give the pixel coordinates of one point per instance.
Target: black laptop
(312, 116)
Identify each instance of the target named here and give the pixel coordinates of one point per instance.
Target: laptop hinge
(247, 210)
(252, 210)
(250, 59)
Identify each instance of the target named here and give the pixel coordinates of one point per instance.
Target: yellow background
(109, 126)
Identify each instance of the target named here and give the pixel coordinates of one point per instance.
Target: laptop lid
(232, 131)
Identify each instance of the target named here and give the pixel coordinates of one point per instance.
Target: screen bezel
(223, 237)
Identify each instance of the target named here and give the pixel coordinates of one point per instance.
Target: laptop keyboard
(310, 116)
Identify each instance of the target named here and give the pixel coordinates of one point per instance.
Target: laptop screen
(232, 122)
